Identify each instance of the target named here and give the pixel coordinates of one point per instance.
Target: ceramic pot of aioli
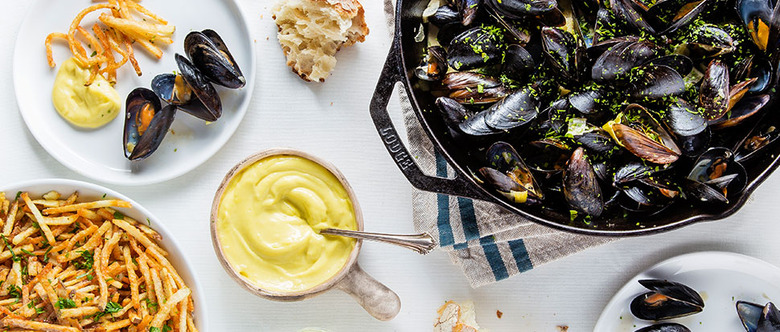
(376, 298)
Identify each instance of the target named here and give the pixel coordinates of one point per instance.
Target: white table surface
(331, 120)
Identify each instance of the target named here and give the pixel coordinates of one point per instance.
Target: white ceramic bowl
(92, 191)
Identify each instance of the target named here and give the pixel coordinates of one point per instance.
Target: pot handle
(378, 300)
(392, 73)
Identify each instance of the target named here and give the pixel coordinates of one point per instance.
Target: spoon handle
(422, 243)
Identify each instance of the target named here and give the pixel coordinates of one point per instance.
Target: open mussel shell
(473, 88)
(210, 55)
(761, 22)
(757, 318)
(445, 15)
(503, 158)
(683, 13)
(664, 327)
(146, 123)
(433, 66)
(666, 300)
(560, 48)
(172, 89)
(742, 111)
(715, 176)
(641, 134)
(547, 156)
(468, 10)
(762, 135)
(707, 41)
(210, 106)
(580, 185)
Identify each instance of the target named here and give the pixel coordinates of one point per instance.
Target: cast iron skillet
(405, 55)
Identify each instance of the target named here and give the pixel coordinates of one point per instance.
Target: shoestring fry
(84, 266)
(124, 23)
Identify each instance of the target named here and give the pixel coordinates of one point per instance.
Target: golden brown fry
(88, 205)
(9, 222)
(37, 326)
(137, 234)
(165, 311)
(49, 39)
(78, 312)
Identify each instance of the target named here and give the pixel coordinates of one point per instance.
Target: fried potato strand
(72, 266)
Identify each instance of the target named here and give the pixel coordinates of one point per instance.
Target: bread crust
(310, 52)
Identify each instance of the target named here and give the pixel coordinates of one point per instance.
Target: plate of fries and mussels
(133, 92)
(80, 257)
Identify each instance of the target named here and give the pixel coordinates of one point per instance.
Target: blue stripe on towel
(468, 219)
(520, 253)
(493, 257)
(443, 201)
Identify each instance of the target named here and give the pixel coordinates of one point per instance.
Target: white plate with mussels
(98, 153)
(721, 278)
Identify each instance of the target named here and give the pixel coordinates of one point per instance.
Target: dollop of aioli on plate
(269, 220)
(83, 106)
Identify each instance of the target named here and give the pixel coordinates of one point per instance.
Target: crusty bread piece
(454, 317)
(312, 31)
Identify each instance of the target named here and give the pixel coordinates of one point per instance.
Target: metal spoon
(422, 243)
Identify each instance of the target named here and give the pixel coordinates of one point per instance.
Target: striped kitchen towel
(488, 242)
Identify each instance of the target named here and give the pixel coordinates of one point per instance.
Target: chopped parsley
(65, 303)
(118, 215)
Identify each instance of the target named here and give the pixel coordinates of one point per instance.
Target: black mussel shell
(626, 12)
(688, 127)
(210, 55)
(504, 158)
(633, 131)
(617, 61)
(715, 90)
(665, 327)
(597, 141)
(468, 10)
(742, 111)
(684, 15)
(709, 40)
(518, 62)
(517, 109)
(651, 192)
(666, 300)
(656, 82)
(760, 20)
(547, 156)
(476, 47)
(472, 88)
(560, 48)
(762, 134)
(715, 176)
(209, 99)
(433, 66)
(476, 125)
(588, 101)
(140, 146)
(749, 314)
(519, 9)
(680, 63)
(580, 185)
(632, 171)
(770, 319)
(445, 15)
(754, 67)
(165, 86)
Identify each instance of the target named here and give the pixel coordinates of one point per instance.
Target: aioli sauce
(269, 220)
(84, 106)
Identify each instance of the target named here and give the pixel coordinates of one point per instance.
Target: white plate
(721, 278)
(98, 153)
(88, 191)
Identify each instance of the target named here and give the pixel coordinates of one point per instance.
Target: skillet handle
(392, 73)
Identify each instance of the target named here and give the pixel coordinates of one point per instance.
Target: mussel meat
(146, 123)
(666, 300)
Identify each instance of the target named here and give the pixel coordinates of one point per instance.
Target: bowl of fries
(77, 256)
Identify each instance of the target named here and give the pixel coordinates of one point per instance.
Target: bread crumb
(312, 31)
(563, 328)
(456, 317)
(499, 314)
